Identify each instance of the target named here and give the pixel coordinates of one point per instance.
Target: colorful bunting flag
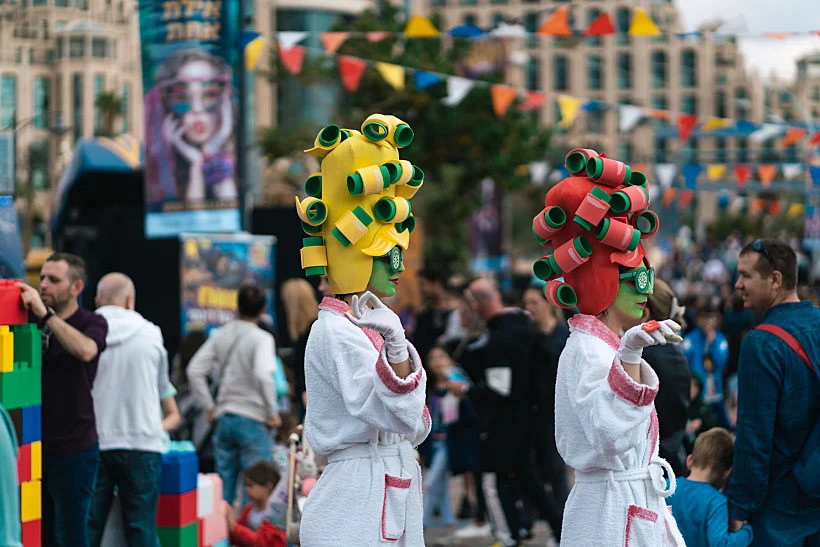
(716, 172)
(815, 140)
(376, 36)
(774, 208)
(538, 172)
(290, 39)
(392, 74)
(814, 172)
(502, 96)
(715, 123)
(466, 31)
(351, 70)
(691, 172)
(533, 100)
(666, 173)
(246, 37)
(423, 80)
(594, 105)
(793, 134)
(742, 173)
(292, 58)
(668, 196)
(767, 131)
(601, 26)
(569, 107)
(628, 116)
(642, 25)
(756, 207)
(457, 89)
(686, 198)
(686, 124)
(504, 30)
(766, 172)
(332, 41)
(795, 210)
(420, 27)
(557, 24)
(792, 170)
(253, 51)
(777, 35)
(641, 168)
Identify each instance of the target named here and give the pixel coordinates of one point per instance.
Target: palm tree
(109, 108)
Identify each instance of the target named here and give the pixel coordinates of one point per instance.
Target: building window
(561, 82)
(18, 55)
(39, 161)
(533, 73)
(98, 48)
(595, 123)
(721, 105)
(624, 71)
(661, 150)
(44, 29)
(470, 19)
(622, 21)
(76, 48)
(531, 26)
(815, 94)
(38, 2)
(124, 98)
(625, 151)
(689, 68)
(742, 150)
(658, 70)
(77, 96)
(721, 152)
(8, 99)
(497, 19)
(61, 3)
(60, 48)
(499, 1)
(689, 104)
(593, 14)
(41, 100)
(468, 2)
(721, 79)
(99, 87)
(439, 3)
(595, 72)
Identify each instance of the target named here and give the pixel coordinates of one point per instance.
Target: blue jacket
(778, 402)
(697, 350)
(703, 517)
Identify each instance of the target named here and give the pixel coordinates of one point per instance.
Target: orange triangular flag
(601, 26)
(292, 58)
(640, 168)
(766, 172)
(502, 98)
(778, 35)
(756, 207)
(793, 135)
(333, 40)
(377, 36)
(534, 100)
(668, 196)
(557, 24)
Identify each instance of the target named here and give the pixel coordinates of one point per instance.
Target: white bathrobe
(367, 421)
(606, 429)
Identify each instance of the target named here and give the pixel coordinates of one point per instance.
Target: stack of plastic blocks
(20, 395)
(177, 507)
(213, 525)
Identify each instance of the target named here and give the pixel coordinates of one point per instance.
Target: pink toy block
(214, 527)
(12, 311)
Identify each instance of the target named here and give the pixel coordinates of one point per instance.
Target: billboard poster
(213, 267)
(189, 61)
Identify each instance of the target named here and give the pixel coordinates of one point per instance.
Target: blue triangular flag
(246, 37)
(691, 172)
(594, 105)
(814, 171)
(466, 31)
(744, 126)
(563, 171)
(424, 80)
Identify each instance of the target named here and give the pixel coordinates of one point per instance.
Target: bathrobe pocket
(394, 509)
(641, 527)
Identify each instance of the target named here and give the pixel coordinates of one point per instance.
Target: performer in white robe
(365, 383)
(605, 421)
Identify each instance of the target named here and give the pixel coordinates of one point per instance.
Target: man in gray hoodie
(131, 394)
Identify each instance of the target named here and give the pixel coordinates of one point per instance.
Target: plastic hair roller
(566, 258)
(369, 180)
(401, 171)
(618, 235)
(408, 224)
(630, 200)
(637, 179)
(576, 160)
(646, 222)
(610, 172)
(374, 130)
(314, 256)
(594, 208)
(560, 294)
(399, 133)
(352, 227)
(310, 230)
(407, 191)
(313, 185)
(311, 211)
(547, 223)
(327, 139)
(390, 209)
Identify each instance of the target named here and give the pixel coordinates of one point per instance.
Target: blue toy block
(32, 424)
(222, 543)
(179, 472)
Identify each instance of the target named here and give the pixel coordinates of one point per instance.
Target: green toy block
(187, 536)
(28, 345)
(21, 387)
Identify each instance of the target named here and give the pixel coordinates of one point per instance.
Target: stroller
(303, 472)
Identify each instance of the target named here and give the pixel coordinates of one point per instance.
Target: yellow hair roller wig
(359, 205)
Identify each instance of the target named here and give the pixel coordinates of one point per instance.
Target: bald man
(131, 393)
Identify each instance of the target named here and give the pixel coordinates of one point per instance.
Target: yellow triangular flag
(252, 53)
(795, 210)
(714, 123)
(642, 25)
(715, 171)
(392, 74)
(569, 107)
(419, 26)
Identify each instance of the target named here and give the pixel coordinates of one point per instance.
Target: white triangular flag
(289, 39)
(538, 172)
(629, 115)
(509, 31)
(736, 205)
(766, 132)
(666, 174)
(457, 89)
(792, 170)
(654, 192)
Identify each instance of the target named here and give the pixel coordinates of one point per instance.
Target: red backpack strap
(790, 341)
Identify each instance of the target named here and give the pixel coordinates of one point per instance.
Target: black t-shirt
(68, 408)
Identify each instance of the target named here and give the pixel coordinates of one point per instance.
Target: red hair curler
(547, 223)
(610, 172)
(618, 235)
(560, 294)
(646, 222)
(576, 160)
(594, 208)
(570, 255)
(629, 200)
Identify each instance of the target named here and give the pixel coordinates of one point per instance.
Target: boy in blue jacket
(701, 511)
(707, 351)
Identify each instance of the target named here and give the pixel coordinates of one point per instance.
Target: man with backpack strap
(774, 483)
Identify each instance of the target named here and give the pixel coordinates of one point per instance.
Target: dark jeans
(136, 475)
(68, 488)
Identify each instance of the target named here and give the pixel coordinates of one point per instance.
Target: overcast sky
(759, 16)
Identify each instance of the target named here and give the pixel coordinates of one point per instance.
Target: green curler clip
(385, 209)
(600, 194)
(619, 202)
(330, 135)
(317, 212)
(403, 135)
(375, 131)
(313, 186)
(576, 162)
(637, 179)
(313, 241)
(540, 240)
(417, 178)
(635, 241)
(408, 224)
(355, 185)
(566, 295)
(340, 237)
(308, 229)
(542, 269)
(394, 170)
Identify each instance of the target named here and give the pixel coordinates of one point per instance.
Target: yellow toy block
(6, 350)
(36, 460)
(31, 501)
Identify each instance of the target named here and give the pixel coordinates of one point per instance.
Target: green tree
(109, 107)
(457, 147)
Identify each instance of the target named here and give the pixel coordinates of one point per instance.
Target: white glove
(381, 319)
(637, 338)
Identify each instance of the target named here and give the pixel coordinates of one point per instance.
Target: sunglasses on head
(759, 246)
(643, 278)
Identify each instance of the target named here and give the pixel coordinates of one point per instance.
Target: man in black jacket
(503, 366)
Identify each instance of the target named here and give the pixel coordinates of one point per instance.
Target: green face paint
(386, 271)
(630, 300)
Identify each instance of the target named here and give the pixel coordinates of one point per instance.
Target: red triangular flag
(686, 124)
(332, 41)
(557, 24)
(377, 36)
(351, 70)
(292, 58)
(534, 100)
(502, 98)
(815, 139)
(685, 199)
(742, 172)
(601, 26)
(766, 172)
(774, 208)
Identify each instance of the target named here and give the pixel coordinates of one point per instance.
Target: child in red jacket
(253, 529)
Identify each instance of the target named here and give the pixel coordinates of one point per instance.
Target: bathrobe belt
(404, 450)
(653, 473)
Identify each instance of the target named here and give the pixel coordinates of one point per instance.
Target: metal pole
(241, 167)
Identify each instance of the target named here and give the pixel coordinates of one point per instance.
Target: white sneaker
(473, 531)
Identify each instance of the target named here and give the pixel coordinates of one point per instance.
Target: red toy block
(32, 534)
(24, 464)
(12, 311)
(176, 510)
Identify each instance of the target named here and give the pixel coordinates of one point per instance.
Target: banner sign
(189, 60)
(213, 267)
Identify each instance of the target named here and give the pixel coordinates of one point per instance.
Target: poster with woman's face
(190, 118)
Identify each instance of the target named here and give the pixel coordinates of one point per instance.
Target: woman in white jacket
(605, 421)
(365, 383)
